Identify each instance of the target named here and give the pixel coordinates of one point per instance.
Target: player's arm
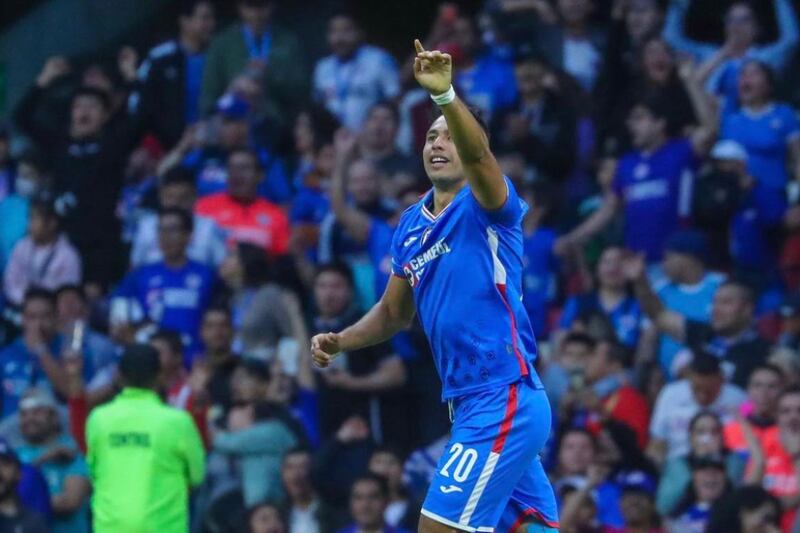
(434, 72)
(391, 314)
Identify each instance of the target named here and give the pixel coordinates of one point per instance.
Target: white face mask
(26, 187)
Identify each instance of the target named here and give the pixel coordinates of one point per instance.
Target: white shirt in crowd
(45, 266)
(350, 88)
(675, 408)
(207, 245)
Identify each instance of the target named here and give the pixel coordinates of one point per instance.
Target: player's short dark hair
(171, 338)
(476, 113)
(577, 337)
(74, 289)
(186, 218)
(178, 175)
(369, 477)
(186, 8)
(339, 268)
(705, 364)
(39, 293)
(93, 92)
(139, 366)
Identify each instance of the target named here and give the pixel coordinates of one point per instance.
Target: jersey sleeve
(511, 212)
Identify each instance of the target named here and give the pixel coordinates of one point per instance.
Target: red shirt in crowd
(628, 406)
(258, 222)
(780, 475)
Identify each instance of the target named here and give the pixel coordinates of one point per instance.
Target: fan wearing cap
(45, 258)
(47, 445)
(14, 516)
(264, 51)
(143, 456)
(730, 335)
(688, 287)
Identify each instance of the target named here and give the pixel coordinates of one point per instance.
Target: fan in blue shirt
(172, 293)
(652, 185)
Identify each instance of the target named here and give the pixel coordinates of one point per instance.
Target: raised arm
(676, 37)
(704, 106)
(434, 72)
(778, 53)
(392, 313)
(354, 221)
(669, 322)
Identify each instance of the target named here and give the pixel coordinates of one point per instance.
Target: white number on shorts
(464, 466)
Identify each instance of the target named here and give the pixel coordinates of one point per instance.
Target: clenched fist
(324, 348)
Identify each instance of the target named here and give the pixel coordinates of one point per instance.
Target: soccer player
(457, 260)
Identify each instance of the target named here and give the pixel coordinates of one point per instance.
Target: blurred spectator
(259, 317)
(217, 363)
(763, 390)
(687, 288)
(790, 325)
(87, 158)
(172, 293)
(730, 335)
(138, 195)
(719, 191)
(770, 134)
(14, 515)
(305, 510)
(240, 212)
(313, 128)
(705, 443)
(48, 446)
(781, 448)
(137, 445)
(377, 142)
(708, 485)
(611, 299)
(35, 358)
(741, 35)
(262, 50)
(8, 166)
(172, 377)
(541, 122)
(339, 461)
(177, 189)
(650, 184)
(420, 467)
(45, 258)
(369, 497)
(360, 383)
(566, 371)
(355, 76)
(29, 184)
(167, 95)
(573, 45)
(256, 437)
(266, 518)
(401, 510)
(748, 509)
(678, 403)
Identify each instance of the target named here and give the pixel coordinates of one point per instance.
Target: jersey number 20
(468, 458)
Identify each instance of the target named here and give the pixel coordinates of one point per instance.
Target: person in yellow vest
(143, 455)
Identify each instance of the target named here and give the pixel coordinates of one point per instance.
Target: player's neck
(443, 194)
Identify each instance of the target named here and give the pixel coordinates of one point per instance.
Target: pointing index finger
(418, 46)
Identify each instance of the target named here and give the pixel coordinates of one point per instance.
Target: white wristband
(444, 98)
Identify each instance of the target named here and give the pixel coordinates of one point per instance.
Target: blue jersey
(656, 191)
(464, 266)
(765, 136)
(175, 299)
(626, 317)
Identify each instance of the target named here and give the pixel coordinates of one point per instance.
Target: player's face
(439, 155)
(88, 116)
(763, 390)
(343, 36)
(367, 505)
(789, 412)
(201, 24)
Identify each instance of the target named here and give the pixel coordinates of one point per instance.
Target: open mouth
(438, 161)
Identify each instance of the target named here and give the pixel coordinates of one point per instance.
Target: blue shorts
(490, 477)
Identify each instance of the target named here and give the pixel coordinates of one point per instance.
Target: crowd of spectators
(221, 199)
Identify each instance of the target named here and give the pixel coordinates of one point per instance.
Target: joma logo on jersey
(415, 268)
